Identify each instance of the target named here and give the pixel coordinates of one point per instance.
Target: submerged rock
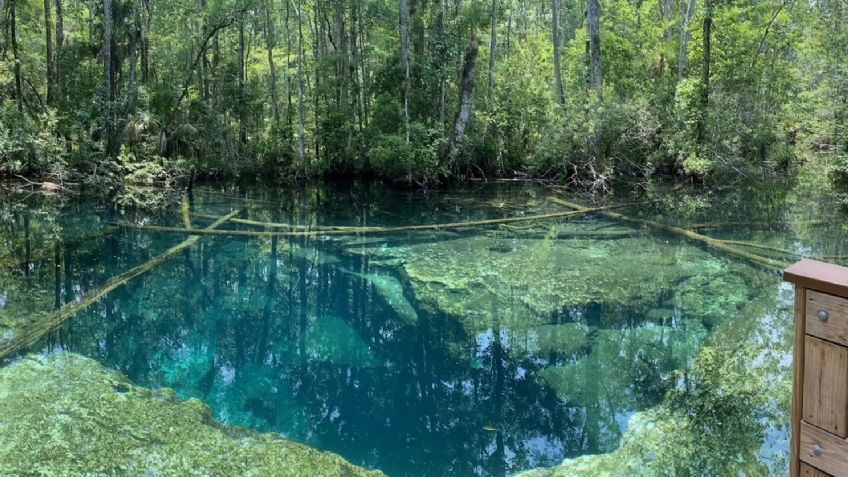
(392, 290)
(497, 282)
(67, 415)
(728, 415)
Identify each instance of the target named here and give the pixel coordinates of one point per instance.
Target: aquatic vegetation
(67, 415)
(518, 283)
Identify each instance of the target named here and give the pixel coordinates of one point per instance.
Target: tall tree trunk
(555, 40)
(364, 67)
(301, 110)
(60, 25)
(108, 80)
(404, 60)
(145, 43)
(49, 59)
(493, 46)
(466, 99)
(686, 11)
(288, 83)
(705, 81)
(60, 42)
(241, 81)
(593, 14)
(13, 26)
(272, 68)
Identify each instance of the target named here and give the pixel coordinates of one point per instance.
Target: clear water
(480, 351)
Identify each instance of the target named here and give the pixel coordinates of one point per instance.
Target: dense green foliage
(144, 91)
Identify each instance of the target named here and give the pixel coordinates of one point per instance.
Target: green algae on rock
(67, 415)
(518, 283)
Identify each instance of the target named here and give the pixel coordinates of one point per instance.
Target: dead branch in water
(274, 225)
(368, 230)
(50, 321)
(688, 234)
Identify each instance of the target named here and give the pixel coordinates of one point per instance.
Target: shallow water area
(485, 350)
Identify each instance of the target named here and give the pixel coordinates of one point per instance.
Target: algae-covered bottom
(571, 346)
(67, 415)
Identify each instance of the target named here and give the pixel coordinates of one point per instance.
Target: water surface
(476, 351)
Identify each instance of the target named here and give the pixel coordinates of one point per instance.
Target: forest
(145, 92)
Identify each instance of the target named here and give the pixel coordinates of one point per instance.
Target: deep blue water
(330, 342)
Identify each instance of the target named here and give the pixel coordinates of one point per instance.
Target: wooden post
(820, 372)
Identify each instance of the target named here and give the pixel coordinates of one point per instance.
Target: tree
(108, 79)
(466, 99)
(49, 58)
(555, 42)
(493, 46)
(404, 61)
(13, 27)
(705, 78)
(593, 16)
(272, 69)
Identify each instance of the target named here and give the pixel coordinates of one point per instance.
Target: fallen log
(53, 319)
(366, 230)
(762, 247)
(274, 225)
(688, 234)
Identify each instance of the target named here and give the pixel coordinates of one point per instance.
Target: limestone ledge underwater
(65, 415)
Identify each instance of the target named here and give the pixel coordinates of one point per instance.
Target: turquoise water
(475, 351)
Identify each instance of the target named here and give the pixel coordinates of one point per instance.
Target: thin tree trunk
(466, 99)
(272, 69)
(288, 83)
(493, 46)
(49, 59)
(107, 75)
(363, 66)
(301, 110)
(60, 42)
(555, 40)
(685, 36)
(145, 43)
(705, 81)
(241, 81)
(13, 25)
(594, 27)
(404, 60)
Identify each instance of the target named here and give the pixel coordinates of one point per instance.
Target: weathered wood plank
(797, 382)
(809, 471)
(827, 317)
(826, 386)
(815, 275)
(823, 451)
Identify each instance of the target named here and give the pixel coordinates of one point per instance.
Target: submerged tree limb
(762, 247)
(274, 225)
(367, 230)
(50, 321)
(693, 236)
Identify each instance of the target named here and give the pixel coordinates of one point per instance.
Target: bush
(392, 157)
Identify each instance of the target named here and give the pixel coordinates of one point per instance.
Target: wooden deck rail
(818, 447)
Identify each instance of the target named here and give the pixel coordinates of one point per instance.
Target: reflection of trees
(283, 340)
